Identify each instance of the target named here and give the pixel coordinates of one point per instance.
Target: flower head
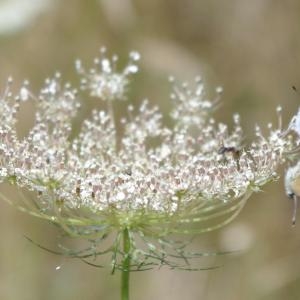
(105, 81)
(153, 180)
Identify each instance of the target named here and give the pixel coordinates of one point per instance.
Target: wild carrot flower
(141, 183)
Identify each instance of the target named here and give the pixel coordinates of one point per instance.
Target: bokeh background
(251, 48)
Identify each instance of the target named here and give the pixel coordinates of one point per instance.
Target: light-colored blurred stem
(111, 112)
(112, 118)
(126, 265)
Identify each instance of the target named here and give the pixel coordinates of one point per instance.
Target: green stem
(126, 265)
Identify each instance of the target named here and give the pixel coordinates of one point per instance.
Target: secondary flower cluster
(147, 178)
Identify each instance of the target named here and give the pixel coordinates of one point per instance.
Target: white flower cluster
(104, 81)
(151, 174)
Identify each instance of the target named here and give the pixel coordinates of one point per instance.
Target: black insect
(235, 152)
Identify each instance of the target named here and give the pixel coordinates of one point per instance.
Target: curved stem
(126, 265)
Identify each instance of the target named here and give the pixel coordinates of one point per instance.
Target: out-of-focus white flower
(292, 187)
(295, 123)
(15, 15)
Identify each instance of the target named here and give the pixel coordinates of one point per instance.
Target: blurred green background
(251, 48)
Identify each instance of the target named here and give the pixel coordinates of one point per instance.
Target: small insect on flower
(292, 187)
(235, 152)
